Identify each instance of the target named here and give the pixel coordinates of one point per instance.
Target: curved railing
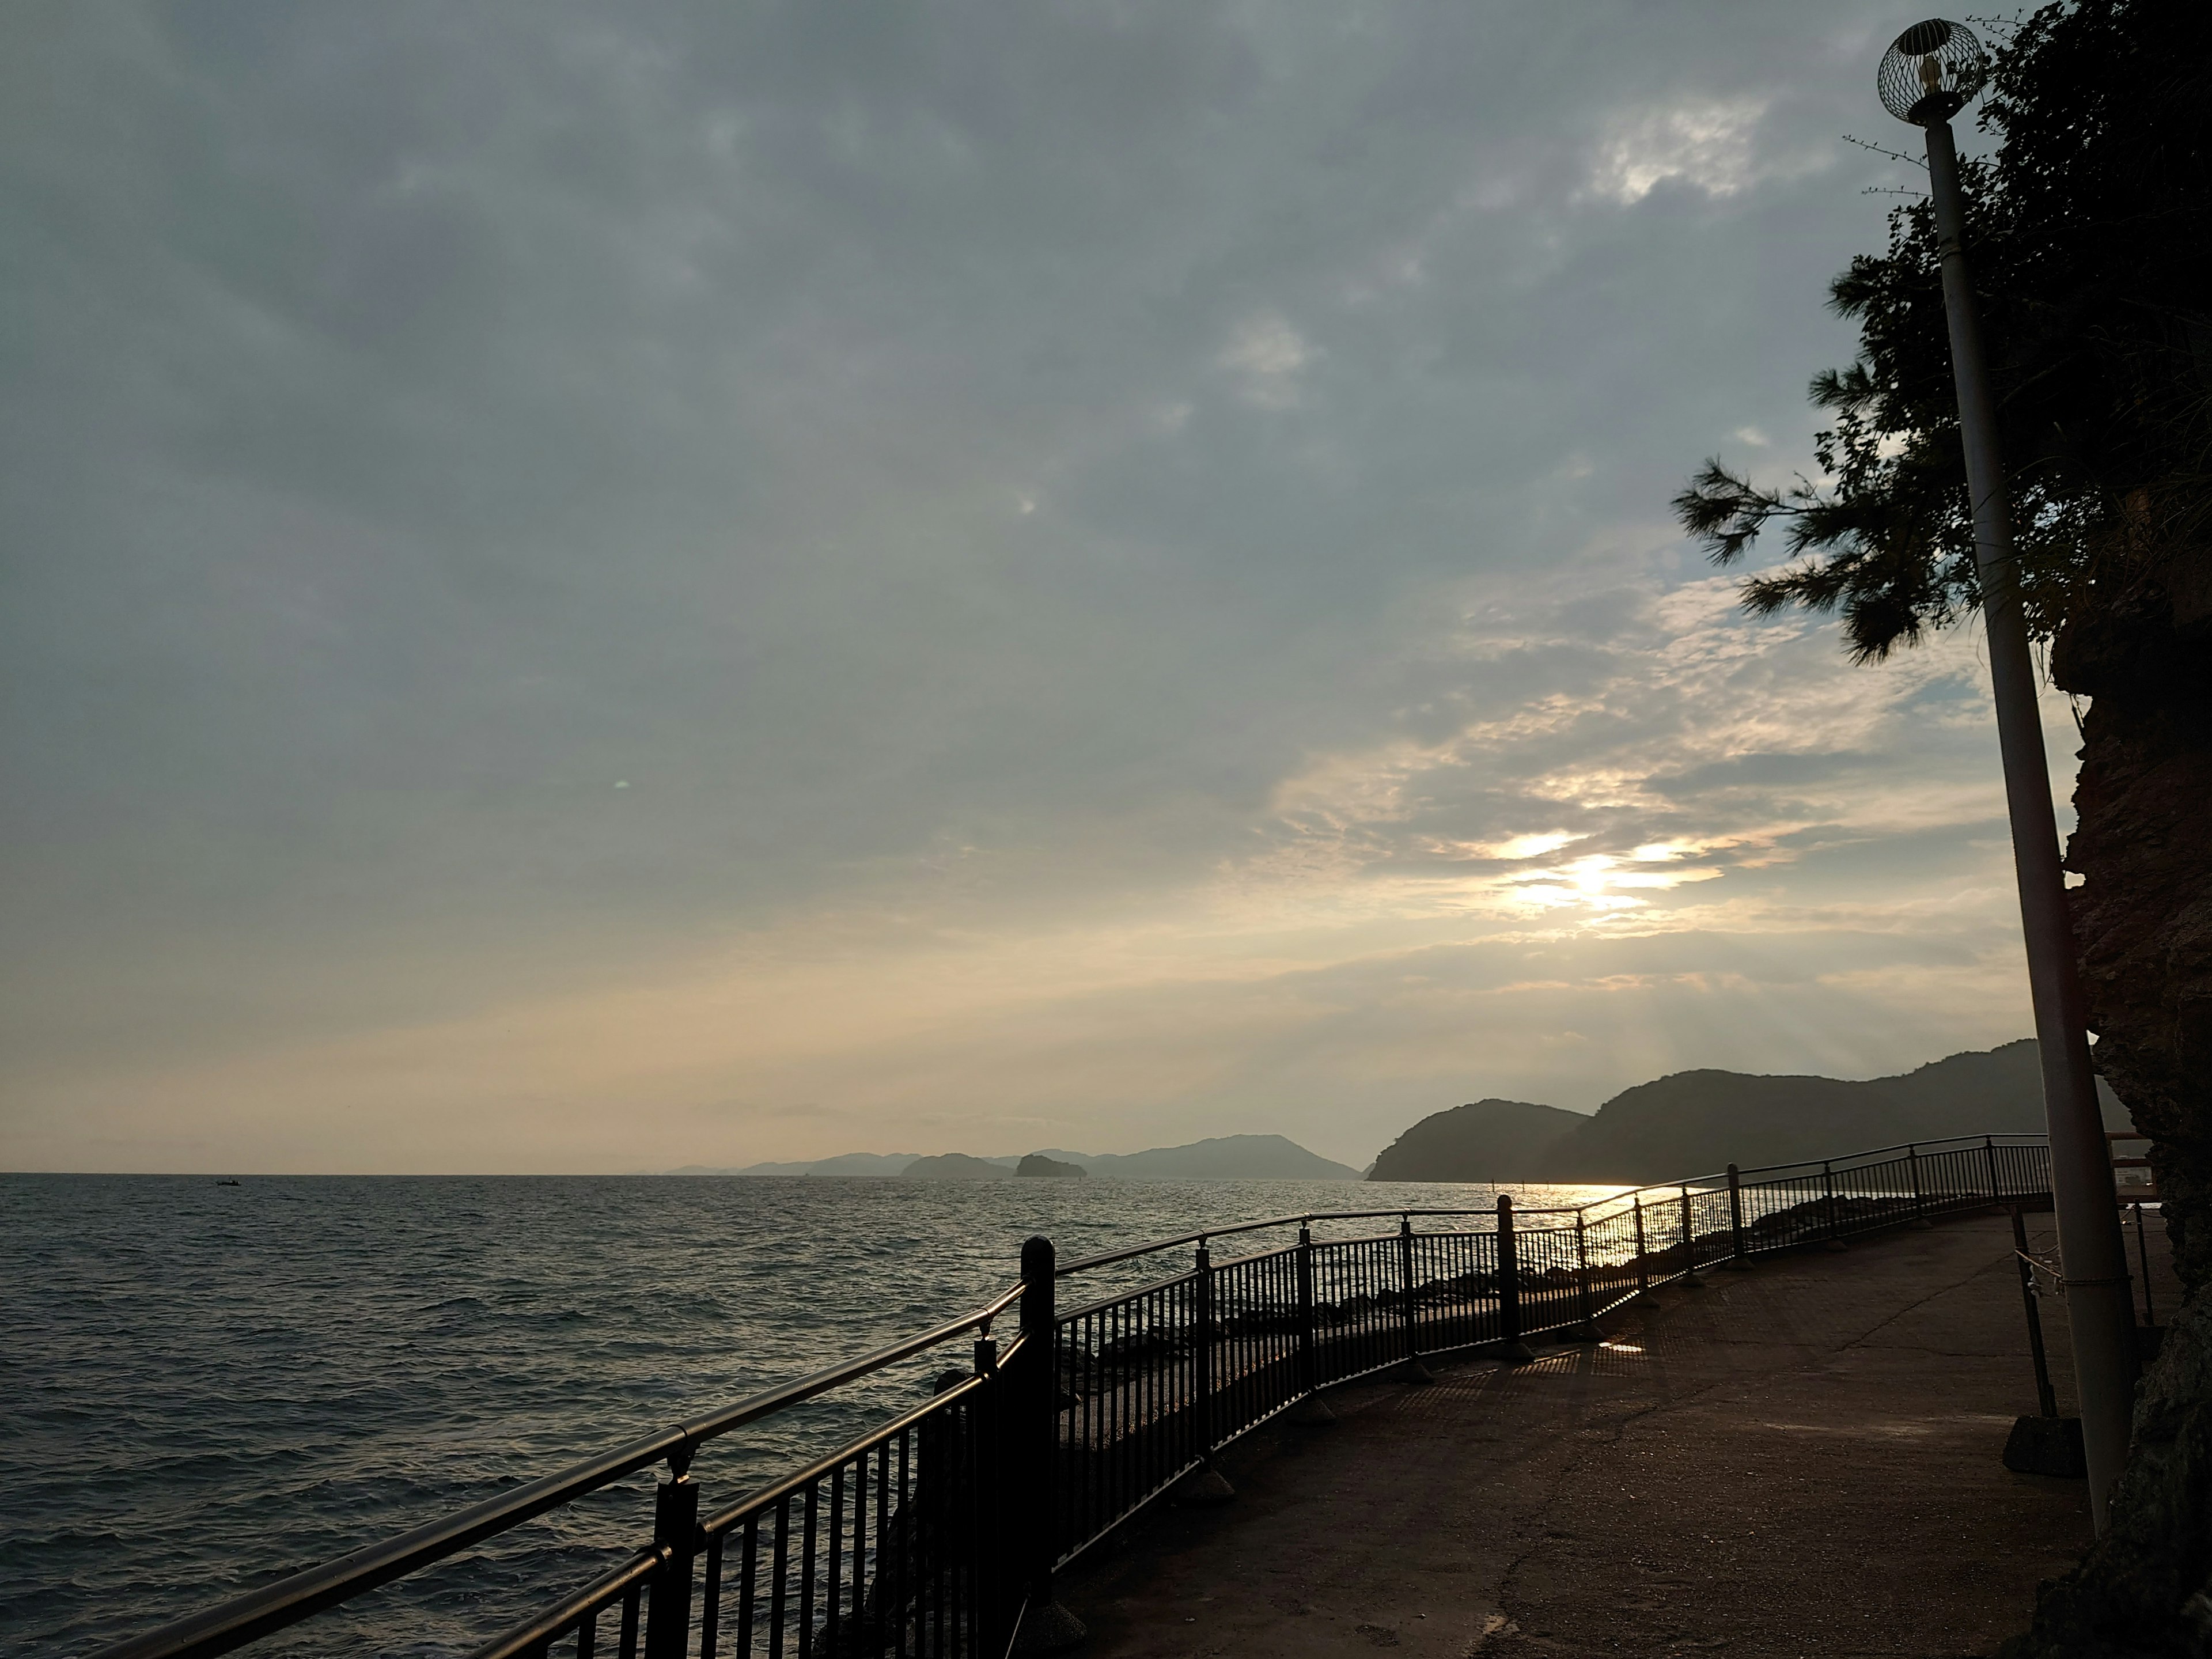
(661, 1570)
(939, 1533)
(1155, 1380)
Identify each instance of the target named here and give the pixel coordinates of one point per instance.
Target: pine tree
(2090, 233)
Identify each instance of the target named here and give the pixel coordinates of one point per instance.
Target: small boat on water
(227, 1181)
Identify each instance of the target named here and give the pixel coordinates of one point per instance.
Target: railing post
(1313, 1409)
(1204, 1484)
(1828, 1199)
(1202, 1352)
(2046, 1399)
(1406, 1284)
(1308, 1369)
(1643, 1255)
(1415, 1371)
(992, 1549)
(1690, 1280)
(676, 1536)
(1919, 1201)
(1045, 1626)
(1739, 1253)
(2143, 1259)
(1510, 1347)
(1990, 1154)
(1586, 1331)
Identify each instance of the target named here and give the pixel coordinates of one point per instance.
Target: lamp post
(1929, 75)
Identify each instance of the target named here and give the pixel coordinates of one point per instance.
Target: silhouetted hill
(846, 1163)
(1696, 1122)
(957, 1166)
(1227, 1158)
(1488, 1140)
(1036, 1164)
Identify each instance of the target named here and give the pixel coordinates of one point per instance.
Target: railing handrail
(2031, 1138)
(771, 1400)
(1713, 1182)
(1225, 1263)
(762, 1496)
(562, 1617)
(302, 1594)
(1308, 1216)
(1300, 1218)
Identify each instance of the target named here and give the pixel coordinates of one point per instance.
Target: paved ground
(1800, 1459)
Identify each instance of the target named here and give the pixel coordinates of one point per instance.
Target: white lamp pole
(1927, 77)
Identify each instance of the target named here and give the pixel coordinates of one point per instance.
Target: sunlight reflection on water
(207, 1387)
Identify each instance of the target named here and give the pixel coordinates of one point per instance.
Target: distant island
(957, 1166)
(1696, 1122)
(1050, 1168)
(1687, 1123)
(1225, 1157)
(884, 1165)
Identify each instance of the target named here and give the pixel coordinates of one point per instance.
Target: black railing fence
(938, 1532)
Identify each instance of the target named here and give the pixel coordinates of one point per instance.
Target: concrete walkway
(1799, 1460)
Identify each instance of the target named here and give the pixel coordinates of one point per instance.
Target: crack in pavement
(1640, 1501)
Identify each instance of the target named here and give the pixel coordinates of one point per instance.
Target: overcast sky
(594, 587)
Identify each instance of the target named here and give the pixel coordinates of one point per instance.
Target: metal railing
(950, 1441)
(938, 1532)
(1155, 1380)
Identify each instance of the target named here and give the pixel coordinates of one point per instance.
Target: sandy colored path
(1800, 1459)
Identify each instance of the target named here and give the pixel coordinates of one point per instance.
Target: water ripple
(203, 1388)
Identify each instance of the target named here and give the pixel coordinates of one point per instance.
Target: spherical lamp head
(1931, 72)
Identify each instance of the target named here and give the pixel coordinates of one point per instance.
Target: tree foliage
(2090, 241)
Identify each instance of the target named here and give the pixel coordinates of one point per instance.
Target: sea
(205, 1387)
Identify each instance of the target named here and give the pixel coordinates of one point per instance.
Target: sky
(594, 587)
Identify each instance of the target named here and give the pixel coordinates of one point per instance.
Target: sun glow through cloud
(694, 587)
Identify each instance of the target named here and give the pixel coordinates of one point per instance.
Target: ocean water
(203, 1388)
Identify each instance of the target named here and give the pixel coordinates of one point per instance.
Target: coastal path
(1768, 1414)
(1800, 1459)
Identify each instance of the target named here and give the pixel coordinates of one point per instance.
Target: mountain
(1227, 1158)
(1052, 1168)
(957, 1166)
(846, 1163)
(1488, 1140)
(1696, 1122)
(1230, 1157)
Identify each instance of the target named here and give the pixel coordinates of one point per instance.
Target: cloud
(1709, 145)
(1104, 564)
(1721, 147)
(1265, 356)
(1388, 945)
